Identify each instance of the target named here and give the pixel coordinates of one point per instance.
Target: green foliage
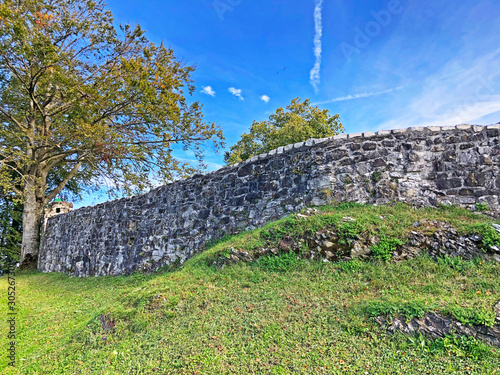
(283, 263)
(489, 236)
(481, 207)
(391, 223)
(10, 231)
(376, 176)
(349, 230)
(298, 122)
(472, 316)
(81, 100)
(110, 102)
(11, 216)
(385, 248)
(284, 227)
(410, 310)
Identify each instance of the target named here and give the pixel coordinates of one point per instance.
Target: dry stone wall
(423, 166)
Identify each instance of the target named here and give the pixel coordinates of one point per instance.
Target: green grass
(391, 223)
(284, 263)
(278, 315)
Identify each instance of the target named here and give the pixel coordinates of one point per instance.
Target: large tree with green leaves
(81, 99)
(298, 122)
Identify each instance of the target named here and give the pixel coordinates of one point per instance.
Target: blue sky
(380, 64)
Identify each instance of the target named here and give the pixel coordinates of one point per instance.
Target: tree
(11, 212)
(81, 99)
(298, 122)
(10, 231)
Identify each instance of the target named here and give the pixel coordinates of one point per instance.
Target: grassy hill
(274, 315)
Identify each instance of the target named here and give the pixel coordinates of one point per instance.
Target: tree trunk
(32, 218)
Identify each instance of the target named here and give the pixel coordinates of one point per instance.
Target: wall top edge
(309, 143)
(367, 135)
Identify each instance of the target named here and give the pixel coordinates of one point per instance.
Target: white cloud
(315, 73)
(208, 90)
(359, 96)
(463, 91)
(236, 92)
(265, 98)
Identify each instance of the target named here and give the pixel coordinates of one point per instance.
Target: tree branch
(62, 154)
(166, 141)
(13, 168)
(63, 183)
(62, 108)
(18, 192)
(15, 72)
(9, 116)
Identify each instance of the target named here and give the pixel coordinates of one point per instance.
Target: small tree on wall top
(80, 98)
(298, 122)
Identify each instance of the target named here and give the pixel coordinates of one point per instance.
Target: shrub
(481, 207)
(489, 235)
(384, 249)
(470, 316)
(349, 231)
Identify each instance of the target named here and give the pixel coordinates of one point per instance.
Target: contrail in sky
(358, 96)
(315, 71)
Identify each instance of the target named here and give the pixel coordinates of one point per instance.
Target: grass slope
(279, 315)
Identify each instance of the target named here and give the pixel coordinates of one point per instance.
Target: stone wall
(423, 166)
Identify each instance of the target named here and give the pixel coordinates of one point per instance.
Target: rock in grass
(435, 326)
(496, 227)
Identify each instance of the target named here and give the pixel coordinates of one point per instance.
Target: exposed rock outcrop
(435, 326)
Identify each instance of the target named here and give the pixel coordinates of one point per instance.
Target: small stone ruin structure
(56, 208)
